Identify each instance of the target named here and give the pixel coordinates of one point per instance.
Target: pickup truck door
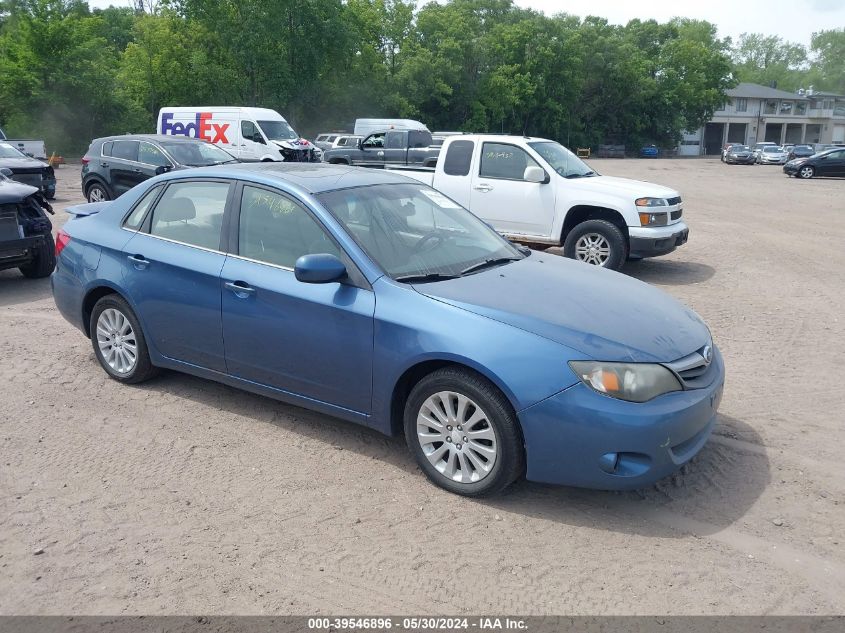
(501, 196)
(395, 148)
(371, 153)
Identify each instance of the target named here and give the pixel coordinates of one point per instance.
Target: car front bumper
(582, 438)
(772, 161)
(656, 241)
(741, 160)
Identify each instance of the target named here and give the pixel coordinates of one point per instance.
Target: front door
(372, 151)
(173, 269)
(251, 145)
(314, 340)
(501, 196)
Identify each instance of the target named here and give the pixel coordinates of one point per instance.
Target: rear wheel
(118, 341)
(44, 261)
(97, 193)
(463, 433)
(807, 172)
(597, 242)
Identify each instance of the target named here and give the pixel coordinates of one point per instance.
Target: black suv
(115, 164)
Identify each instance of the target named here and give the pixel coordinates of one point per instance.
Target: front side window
(151, 155)
(413, 231)
(375, 140)
(192, 213)
(506, 162)
(196, 153)
(127, 150)
(250, 132)
(277, 230)
(561, 160)
(136, 218)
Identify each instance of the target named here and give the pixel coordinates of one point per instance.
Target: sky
(793, 20)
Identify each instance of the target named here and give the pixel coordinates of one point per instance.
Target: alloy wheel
(116, 341)
(457, 437)
(806, 172)
(96, 194)
(592, 248)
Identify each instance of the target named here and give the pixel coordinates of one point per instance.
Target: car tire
(97, 192)
(44, 262)
(113, 341)
(806, 172)
(597, 235)
(457, 404)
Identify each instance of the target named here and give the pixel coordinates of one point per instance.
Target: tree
(828, 67)
(770, 61)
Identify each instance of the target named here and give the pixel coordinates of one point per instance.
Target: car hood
(22, 163)
(12, 192)
(600, 313)
(622, 186)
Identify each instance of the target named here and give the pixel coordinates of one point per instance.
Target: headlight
(653, 219)
(635, 382)
(650, 202)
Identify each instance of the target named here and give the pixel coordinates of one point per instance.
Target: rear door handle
(240, 289)
(137, 170)
(139, 261)
(104, 164)
(484, 188)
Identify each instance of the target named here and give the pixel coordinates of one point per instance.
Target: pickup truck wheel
(597, 242)
(44, 261)
(118, 341)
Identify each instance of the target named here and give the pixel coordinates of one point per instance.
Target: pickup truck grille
(676, 215)
(673, 201)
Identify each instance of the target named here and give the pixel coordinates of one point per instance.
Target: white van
(249, 134)
(365, 127)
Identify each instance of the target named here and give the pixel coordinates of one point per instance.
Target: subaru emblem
(707, 353)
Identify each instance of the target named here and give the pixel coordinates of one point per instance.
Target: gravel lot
(184, 496)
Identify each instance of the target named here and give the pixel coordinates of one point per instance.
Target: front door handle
(240, 289)
(137, 170)
(381, 154)
(139, 261)
(483, 188)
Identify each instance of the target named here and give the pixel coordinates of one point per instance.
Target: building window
(786, 107)
(801, 108)
(771, 107)
(742, 104)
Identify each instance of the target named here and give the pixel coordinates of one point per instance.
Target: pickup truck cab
(389, 147)
(537, 192)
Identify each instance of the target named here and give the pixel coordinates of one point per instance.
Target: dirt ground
(184, 496)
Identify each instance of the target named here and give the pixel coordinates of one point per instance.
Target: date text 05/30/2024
(416, 624)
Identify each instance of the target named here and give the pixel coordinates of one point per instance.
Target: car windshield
(740, 148)
(415, 233)
(197, 154)
(772, 150)
(278, 131)
(562, 160)
(7, 151)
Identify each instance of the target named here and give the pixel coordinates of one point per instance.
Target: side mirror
(257, 138)
(163, 169)
(5, 171)
(535, 174)
(320, 268)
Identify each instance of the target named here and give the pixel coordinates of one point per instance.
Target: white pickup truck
(30, 147)
(537, 192)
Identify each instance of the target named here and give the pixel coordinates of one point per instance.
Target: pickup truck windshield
(562, 160)
(277, 131)
(417, 234)
(7, 151)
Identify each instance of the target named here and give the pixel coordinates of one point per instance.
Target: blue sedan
(373, 298)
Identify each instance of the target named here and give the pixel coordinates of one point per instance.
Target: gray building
(756, 113)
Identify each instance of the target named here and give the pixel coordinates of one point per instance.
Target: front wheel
(463, 433)
(597, 242)
(807, 172)
(118, 342)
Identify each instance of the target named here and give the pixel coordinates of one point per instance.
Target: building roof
(756, 91)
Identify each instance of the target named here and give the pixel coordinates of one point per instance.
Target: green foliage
(70, 74)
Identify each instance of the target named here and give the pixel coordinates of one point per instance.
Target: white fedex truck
(249, 134)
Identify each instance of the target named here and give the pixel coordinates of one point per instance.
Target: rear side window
(458, 158)
(192, 213)
(135, 219)
(127, 150)
(419, 139)
(396, 140)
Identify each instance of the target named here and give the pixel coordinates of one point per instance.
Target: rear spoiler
(89, 208)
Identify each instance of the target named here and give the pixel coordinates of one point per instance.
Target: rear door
(395, 147)
(832, 164)
(124, 169)
(173, 271)
(314, 340)
(501, 196)
(453, 177)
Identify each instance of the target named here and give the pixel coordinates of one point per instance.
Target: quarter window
(151, 155)
(276, 230)
(505, 162)
(136, 218)
(458, 158)
(127, 150)
(191, 212)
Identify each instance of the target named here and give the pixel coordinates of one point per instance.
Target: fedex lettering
(202, 127)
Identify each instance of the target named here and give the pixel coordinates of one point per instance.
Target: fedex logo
(202, 127)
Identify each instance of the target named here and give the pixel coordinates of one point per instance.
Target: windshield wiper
(425, 278)
(586, 174)
(489, 263)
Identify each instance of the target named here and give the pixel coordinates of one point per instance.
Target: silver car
(772, 155)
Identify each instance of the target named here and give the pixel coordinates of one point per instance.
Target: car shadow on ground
(712, 492)
(667, 272)
(16, 289)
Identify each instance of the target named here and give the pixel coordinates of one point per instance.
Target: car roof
(308, 177)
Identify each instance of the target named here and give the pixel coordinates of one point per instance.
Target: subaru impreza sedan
(370, 297)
